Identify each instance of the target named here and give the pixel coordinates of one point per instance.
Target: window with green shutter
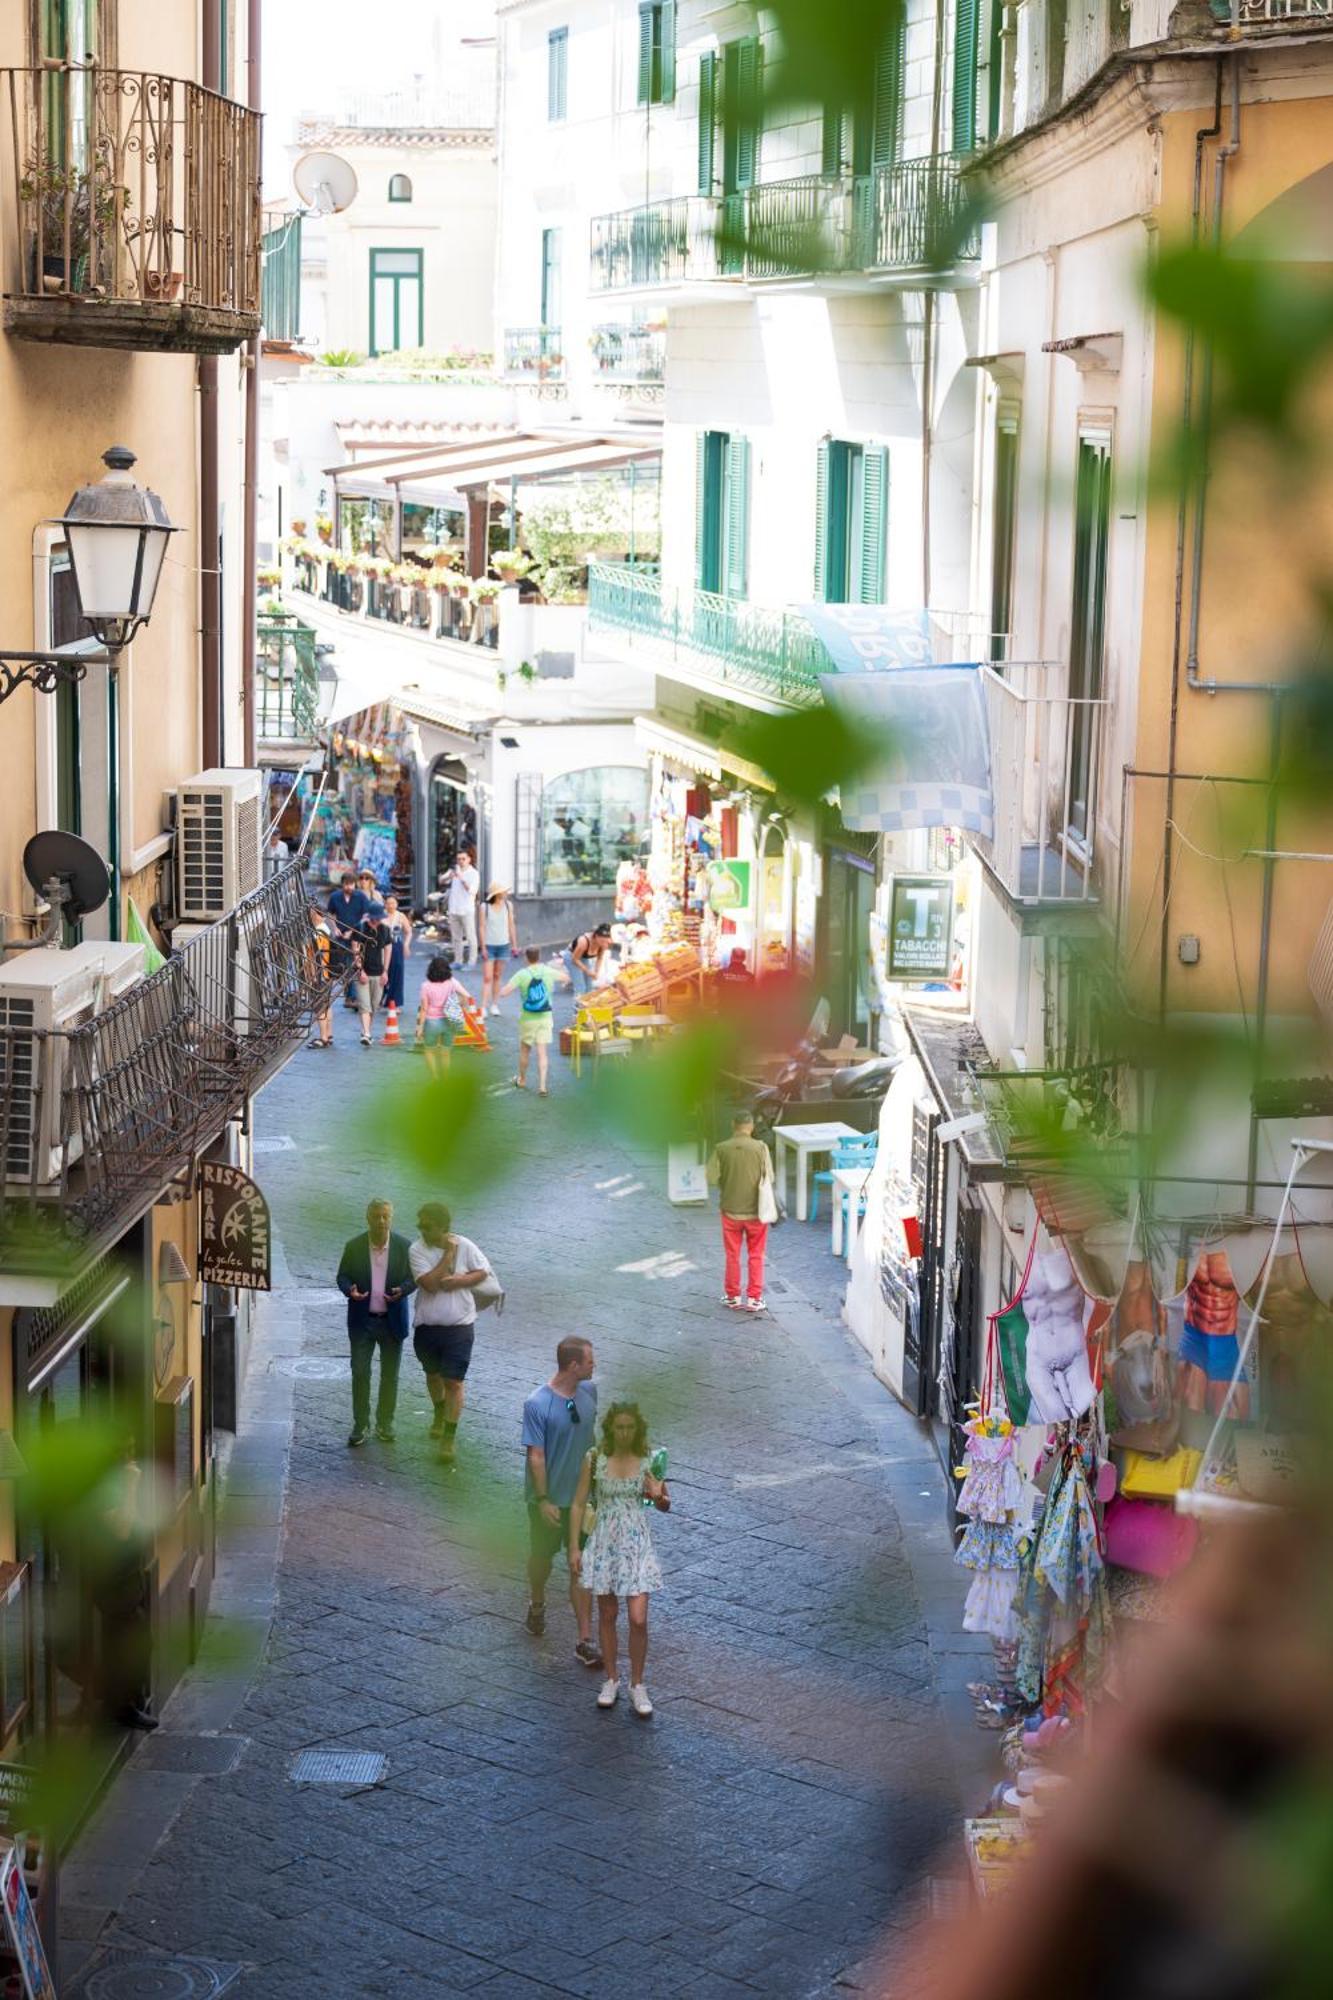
(1004, 530)
(742, 113)
(657, 52)
(851, 514)
(722, 513)
(963, 100)
(707, 123)
(832, 141)
(878, 126)
(1087, 625)
(550, 277)
(557, 74)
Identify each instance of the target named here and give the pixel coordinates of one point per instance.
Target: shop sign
(234, 1232)
(921, 927)
(25, 1940)
(16, 1782)
(687, 1176)
(728, 887)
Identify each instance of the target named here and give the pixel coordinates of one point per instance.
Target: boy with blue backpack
(536, 1023)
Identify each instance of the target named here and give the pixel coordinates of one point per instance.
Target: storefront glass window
(429, 527)
(365, 527)
(591, 821)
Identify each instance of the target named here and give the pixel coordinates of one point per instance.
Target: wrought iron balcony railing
(771, 653)
(98, 1120)
(137, 211)
(534, 351)
(287, 681)
(910, 217)
(1046, 753)
(629, 353)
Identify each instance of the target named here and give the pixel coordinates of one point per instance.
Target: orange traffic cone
(392, 1038)
(473, 1034)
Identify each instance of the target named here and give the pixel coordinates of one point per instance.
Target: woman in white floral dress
(618, 1560)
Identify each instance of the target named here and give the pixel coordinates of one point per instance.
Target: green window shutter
(887, 103)
(707, 510)
(869, 547)
(830, 152)
(667, 93)
(736, 553)
(744, 113)
(645, 91)
(821, 518)
(963, 107)
(707, 123)
(551, 277)
(557, 60)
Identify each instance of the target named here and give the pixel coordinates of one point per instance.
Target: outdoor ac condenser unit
(226, 985)
(41, 991)
(219, 843)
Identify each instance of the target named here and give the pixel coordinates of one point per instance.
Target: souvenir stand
(367, 821)
(1140, 1378)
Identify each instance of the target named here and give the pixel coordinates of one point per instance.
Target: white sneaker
(756, 1305)
(638, 1700)
(608, 1694)
(731, 1299)
(495, 1010)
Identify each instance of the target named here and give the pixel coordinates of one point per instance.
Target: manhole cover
(208, 1756)
(141, 1975)
(314, 1367)
(338, 1767)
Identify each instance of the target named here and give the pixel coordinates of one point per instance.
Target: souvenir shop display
(992, 1496)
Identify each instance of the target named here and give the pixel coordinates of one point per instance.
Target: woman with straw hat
(499, 942)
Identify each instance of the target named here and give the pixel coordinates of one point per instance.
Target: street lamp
(117, 534)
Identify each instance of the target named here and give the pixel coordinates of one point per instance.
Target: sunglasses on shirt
(573, 1409)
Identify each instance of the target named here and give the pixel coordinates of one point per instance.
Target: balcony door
(1087, 624)
(76, 33)
(851, 506)
(722, 514)
(396, 305)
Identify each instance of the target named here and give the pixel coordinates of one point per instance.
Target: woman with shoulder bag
(451, 1271)
(618, 1560)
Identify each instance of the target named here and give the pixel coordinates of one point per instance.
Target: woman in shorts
(439, 1013)
(499, 942)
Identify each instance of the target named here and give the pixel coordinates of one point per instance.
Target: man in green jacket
(740, 1166)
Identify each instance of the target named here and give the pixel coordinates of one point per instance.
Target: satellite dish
(63, 858)
(325, 182)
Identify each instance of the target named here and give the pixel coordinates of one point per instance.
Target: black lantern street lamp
(117, 534)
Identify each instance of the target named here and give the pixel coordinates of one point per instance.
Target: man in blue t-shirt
(559, 1426)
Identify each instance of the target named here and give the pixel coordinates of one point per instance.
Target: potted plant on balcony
(324, 528)
(298, 528)
(511, 565)
(90, 199)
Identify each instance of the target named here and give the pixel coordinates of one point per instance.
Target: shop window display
(591, 823)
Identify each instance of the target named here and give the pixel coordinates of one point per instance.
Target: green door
(1087, 625)
(742, 135)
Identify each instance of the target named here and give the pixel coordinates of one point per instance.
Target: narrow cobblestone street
(762, 1833)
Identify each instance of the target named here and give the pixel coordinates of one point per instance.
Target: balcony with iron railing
(98, 1120)
(534, 354)
(134, 207)
(748, 647)
(629, 356)
(910, 218)
(286, 681)
(1046, 755)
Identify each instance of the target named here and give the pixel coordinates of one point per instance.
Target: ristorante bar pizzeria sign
(234, 1233)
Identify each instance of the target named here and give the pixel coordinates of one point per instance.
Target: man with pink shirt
(375, 1277)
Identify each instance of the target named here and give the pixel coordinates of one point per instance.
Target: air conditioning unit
(41, 991)
(219, 843)
(225, 984)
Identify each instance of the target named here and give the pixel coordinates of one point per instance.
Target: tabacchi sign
(234, 1230)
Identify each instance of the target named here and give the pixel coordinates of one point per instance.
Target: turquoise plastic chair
(859, 1152)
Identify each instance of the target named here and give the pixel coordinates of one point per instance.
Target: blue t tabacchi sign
(921, 927)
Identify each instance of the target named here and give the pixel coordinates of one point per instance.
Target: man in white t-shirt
(446, 1269)
(461, 907)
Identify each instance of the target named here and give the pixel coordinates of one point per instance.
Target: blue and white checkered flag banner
(935, 766)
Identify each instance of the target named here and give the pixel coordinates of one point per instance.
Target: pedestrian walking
(399, 927)
(370, 889)
(618, 1559)
(741, 1170)
(439, 1013)
(373, 945)
(559, 1430)
(536, 1022)
(588, 954)
(499, 942)
(464, 885)
(447, 1269)
(348, 906)
(375, 1277)
(321, 968)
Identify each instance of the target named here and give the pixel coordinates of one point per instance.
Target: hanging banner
(867, 639)
(933, 768)
(25, 1940)
(234, 1231)
(921, 927)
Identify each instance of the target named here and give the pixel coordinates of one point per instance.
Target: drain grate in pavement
(112, 1974)
(313, 1367)
(204, 1756)
(338, 1767)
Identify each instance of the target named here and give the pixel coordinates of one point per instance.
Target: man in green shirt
(739, 1168)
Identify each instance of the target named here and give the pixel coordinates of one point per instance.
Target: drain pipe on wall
(250, 364)
(213, 747)
(928, 324)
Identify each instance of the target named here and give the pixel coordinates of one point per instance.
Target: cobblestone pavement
(763, 1833)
